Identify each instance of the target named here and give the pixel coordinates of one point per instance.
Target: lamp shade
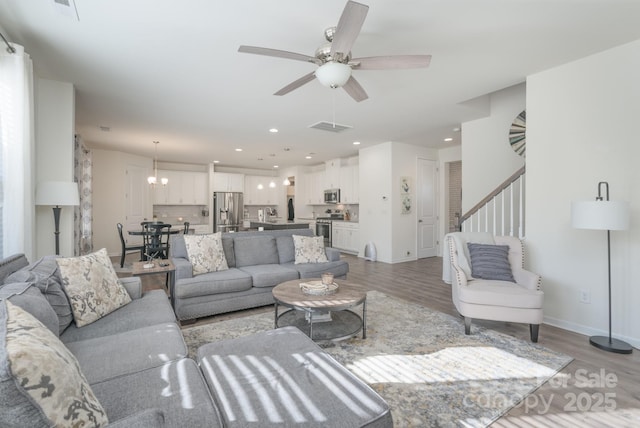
(333, 74)
(600, 215)
(57, 193)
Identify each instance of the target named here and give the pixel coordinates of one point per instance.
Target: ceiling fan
(333, 58)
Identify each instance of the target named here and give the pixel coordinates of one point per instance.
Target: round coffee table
(322, 318)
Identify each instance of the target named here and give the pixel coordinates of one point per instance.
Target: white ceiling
(170, 71)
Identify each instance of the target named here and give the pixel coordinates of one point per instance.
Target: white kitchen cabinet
(265, 196)
(184, 188)
(349, 184)
(332, 174)
(227, 182)
(314, 187)
(345, 236)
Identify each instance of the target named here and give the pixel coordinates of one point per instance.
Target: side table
(168, 269)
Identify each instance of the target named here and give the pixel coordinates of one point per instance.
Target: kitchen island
(279, 224)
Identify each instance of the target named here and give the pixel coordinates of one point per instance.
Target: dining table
(152, 236)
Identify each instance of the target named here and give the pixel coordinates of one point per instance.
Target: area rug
(420, 361)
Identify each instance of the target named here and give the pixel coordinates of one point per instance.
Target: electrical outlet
(585, 296)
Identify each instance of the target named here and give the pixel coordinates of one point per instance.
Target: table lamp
(58, 194)
(606, 215)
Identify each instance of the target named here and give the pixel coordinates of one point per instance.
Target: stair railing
(501, 212)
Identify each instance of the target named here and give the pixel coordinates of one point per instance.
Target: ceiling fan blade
(391, 62)
(354, 89)
(348, 28)
(296, 84)
(278, 54)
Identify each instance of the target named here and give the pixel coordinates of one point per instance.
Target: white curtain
(17, 141)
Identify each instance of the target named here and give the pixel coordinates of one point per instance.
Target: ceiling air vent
(329, 126)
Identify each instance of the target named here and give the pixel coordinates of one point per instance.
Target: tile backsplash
(178, 214)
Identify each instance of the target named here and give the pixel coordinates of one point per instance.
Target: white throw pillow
(309, 249)
(40, 378)
(206, 253)
(92, 286)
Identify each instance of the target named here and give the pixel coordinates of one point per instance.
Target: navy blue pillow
(490, 262)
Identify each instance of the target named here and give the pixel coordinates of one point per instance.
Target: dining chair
(157, 240)
(125, 248)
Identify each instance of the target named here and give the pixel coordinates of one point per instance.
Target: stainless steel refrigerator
(228, 210)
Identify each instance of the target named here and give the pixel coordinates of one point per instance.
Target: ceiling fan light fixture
(333, 74)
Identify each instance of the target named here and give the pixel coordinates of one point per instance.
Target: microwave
(332, 196)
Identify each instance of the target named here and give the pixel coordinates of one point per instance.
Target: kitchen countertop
(280, 224)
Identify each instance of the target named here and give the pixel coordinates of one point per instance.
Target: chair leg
(122, 259)
(533, 330)
(467, 326)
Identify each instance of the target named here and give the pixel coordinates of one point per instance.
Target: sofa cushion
(290, 382)
(286, 250)
(255, 250)
(128, 352)
(309, 249)
(176, 387)
(44, 273)
(339, 269)
(226, 281)
(12, 264)
(151, 309)
(490, 262)
(270, 275)
(92, 286)
(29, 298)
(40, 380)
(227, 245)
(500, 294)
(206, 253)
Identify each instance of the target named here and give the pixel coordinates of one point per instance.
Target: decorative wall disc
(517, 133)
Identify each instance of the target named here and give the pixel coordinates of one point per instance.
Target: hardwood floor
(597, 389)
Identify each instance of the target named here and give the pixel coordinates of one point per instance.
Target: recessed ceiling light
(216, 161)
(238, 150)
(275, 166)
(356, 143)
(307, 157)
(273, 130)
(448, 139)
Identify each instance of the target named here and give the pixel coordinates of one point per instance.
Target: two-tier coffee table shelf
(325, 317)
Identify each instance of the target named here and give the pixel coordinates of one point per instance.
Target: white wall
(55, 126)
(488, 157)
(109, 200)
(580, 130)
(445, 156)
(381, 222)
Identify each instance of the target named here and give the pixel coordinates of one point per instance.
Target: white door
(427, 212)
(136, 205)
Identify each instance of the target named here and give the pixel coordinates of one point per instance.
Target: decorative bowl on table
(317, 288)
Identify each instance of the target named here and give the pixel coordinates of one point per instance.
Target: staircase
(502, 211)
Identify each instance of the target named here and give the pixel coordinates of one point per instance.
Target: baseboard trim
(588, 331)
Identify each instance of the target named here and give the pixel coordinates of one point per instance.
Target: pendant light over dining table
(153, 180)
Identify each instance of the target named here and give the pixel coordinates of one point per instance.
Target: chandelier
(153, 180)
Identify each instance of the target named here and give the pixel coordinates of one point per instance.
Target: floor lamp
(58, 194)
(603, 214)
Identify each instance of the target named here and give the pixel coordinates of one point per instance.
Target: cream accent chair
(491, 299)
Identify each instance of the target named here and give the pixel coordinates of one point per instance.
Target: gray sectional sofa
(135, 361)
(257, 262)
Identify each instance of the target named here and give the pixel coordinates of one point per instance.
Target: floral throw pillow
(309, 249)
(92, 286)
(206, 253)
(40, 378)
